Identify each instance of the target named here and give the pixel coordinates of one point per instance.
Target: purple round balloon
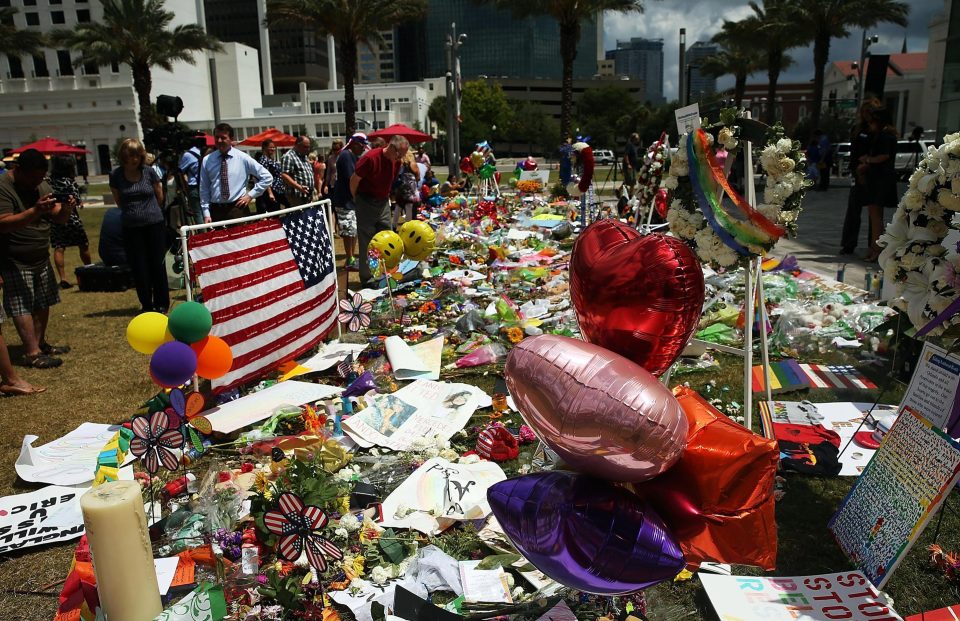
(603, 414)
(173, 364)
(586, 533)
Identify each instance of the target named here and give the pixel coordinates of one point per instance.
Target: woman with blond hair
(137, 191)
(407, 190)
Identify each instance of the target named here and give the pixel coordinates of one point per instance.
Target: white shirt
(240, 166)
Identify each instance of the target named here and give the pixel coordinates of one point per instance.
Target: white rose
(349, 522)
(785, 145)
(449, 454)
(341, 533)
(379, 575)
(786, 165)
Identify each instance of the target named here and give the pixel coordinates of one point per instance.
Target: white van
(603, 157)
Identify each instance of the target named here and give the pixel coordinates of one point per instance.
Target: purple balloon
(586, 533)
(173, 364)
(360, 386)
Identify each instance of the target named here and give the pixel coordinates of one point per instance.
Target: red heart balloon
(637, 295)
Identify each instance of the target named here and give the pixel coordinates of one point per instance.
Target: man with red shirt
(370, 185)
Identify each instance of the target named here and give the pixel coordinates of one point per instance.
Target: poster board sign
(28, 520)
(543, 176)
(899, 491)
(933, 388)
(847, 595)
(688, 118)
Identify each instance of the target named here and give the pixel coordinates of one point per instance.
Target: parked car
(604, 157)
(909, 154)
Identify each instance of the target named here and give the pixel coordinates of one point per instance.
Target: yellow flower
(343, 504)
(683, 576)
(514, 335)
(260, 482)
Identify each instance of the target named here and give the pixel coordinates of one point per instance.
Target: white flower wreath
(651, 172)
(782, 162)
(926, 273)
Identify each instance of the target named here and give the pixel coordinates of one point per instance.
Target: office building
(289, 55)
(698, 83)
(547, 93)
(641, 59)
(376, 61)
(498, 44)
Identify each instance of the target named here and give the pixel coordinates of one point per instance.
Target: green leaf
(391, 548)
(498, 560)
(195, 439)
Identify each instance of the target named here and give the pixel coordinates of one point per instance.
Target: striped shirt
(300, 169)
(138, 201)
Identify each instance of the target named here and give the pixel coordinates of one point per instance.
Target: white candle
(120, 546)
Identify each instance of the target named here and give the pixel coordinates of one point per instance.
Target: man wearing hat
(370, 185)
(342, 198)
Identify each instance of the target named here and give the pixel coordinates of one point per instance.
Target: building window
(363, 105)
(83, 16)
(29, 2)
(16, 67)
(114, 67)
(33, 19)
(57, 17)
(91, 69)
(5, 4)
(64, 62)
(340, 107)
(314, 107)
(40, 69)
(56, 1)
(328, 107)
(803, 112)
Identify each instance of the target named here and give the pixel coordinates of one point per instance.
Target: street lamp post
(454, 41)
(865, 43)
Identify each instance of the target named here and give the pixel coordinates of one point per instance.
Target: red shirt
(377, 173)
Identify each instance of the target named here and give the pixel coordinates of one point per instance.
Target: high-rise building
(699, 84)
(291, 54)
(641, 59)
(376, 62)
(498, 44)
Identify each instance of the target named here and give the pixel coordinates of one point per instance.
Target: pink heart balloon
(638, 295)
(603, 414)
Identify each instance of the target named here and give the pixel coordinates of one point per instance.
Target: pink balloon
(603, 414)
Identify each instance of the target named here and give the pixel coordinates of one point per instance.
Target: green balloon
(189, 322)
(486, 171)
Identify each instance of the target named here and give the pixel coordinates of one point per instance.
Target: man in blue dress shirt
(223, 179)
(189, 166)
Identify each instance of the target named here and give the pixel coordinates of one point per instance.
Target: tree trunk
(348, 62)
(739, 87)
(774, 60)
(821, 51)
(142, 84)
(569, 38)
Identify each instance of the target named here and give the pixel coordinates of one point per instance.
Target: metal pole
(452, 159)
(863, 55)
(681, 81)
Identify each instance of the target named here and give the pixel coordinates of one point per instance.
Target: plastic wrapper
(472, 321)
(487, 354)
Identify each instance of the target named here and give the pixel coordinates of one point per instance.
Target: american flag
(271, 287)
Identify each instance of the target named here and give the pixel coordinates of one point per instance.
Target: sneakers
(351, 264)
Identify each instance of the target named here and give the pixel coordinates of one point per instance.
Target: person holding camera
(27, 208)
(137, 191)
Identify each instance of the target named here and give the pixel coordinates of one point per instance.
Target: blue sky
(702, 18)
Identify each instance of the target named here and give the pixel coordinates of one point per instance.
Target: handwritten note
(933, 387)
(484, 585)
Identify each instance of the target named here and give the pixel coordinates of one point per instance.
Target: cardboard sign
(847, 595)
(893, 500)
(688, 118)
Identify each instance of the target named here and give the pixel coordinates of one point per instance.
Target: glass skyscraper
(500, 45)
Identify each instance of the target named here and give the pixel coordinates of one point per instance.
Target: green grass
(104, 380)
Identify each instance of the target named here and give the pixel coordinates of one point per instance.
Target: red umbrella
(400, 129)
(208, 140)
(52, 146)
(278, 137)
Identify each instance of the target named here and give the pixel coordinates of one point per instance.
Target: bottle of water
(841, 270)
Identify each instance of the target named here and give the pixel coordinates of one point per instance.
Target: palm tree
(14, 42)
(737, 57)
(569, 15)
(833, 19)
(135, 32)
(774, 27)
(350, 22)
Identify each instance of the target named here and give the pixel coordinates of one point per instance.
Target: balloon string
(706, 205)
(755, 216)
(741, 230)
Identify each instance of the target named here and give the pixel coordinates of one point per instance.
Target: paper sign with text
(899, 491)
(933, 387)
(688, 118)
(25, 519)
(847, 595)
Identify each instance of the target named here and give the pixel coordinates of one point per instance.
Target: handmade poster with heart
(637, 295)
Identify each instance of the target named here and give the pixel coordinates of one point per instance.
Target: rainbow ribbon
(772, 229)
(707, 206)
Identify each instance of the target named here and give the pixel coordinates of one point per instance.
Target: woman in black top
(859, 145)
(275, 197)
(62, 173)
(137, 192)
(877, 170)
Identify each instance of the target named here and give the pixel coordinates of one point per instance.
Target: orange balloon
(214, 357)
